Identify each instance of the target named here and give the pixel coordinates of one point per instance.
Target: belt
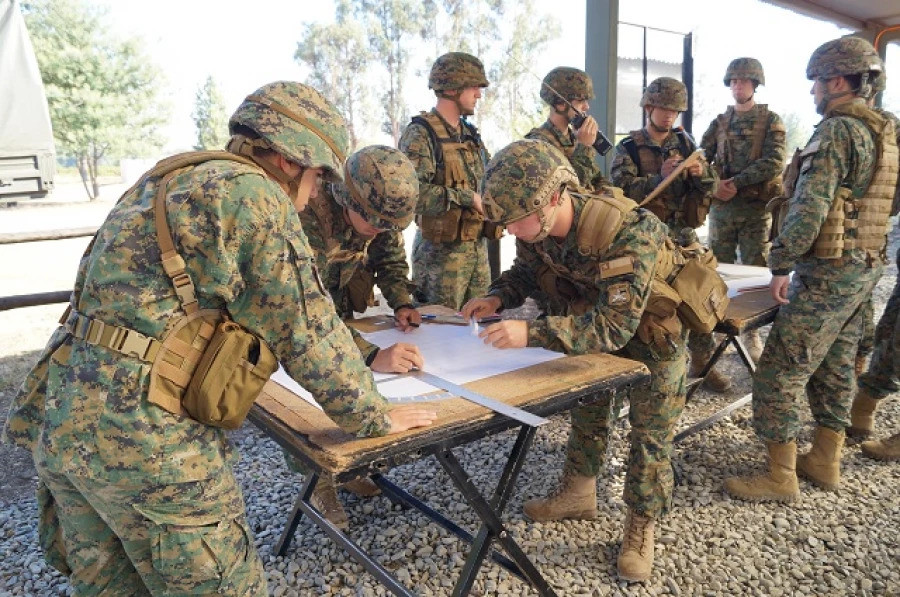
(117, 338)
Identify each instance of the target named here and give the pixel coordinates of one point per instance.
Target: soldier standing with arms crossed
(449, 260)
(576, 87)
(135, 499)
(592, 288)
(748, 144)
(647, 156)
(832, 238)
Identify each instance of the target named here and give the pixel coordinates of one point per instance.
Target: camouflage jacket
(637, 182)
(582, 157)
(341, 253)
(245, 251)
(734, 161)
(841, 152)
(614, 305)
(435, 200)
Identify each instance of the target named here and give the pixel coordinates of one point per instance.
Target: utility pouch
(471, 225)
(492, 231)
(696, 208)
(440, 229)
(230, 375)
(361, 289)
(830, 242)
(703, 293)
(660, 325)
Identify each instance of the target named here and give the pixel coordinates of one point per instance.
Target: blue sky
(244, 45)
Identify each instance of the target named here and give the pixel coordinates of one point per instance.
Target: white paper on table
(739, 277)
(450, 352)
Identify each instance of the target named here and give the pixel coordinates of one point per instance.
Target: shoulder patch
(618, 295)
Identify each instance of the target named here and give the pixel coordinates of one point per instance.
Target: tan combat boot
(862, 415)
(780, 485)
(754, 345)
(325, 500)
(883, 449)
(822, 464)
(364, 487)
(714, 381)
(636, 556)
(575, 497)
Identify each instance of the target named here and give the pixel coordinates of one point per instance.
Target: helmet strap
(546, 219)
(242, 145)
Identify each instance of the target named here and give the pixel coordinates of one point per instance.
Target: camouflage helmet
(297, 122)
(571, 83)
(456, 70)
(665, 92)
(521, 178)
(380, 184)
(745, 68)
(843, 56)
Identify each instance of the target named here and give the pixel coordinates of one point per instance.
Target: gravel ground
(841, 543)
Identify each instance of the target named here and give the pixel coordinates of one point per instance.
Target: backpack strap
(601, 219)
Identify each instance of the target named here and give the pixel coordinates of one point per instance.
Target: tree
(798, 133)
(101, 91)
(389, 24)
(210, 117)
(338, 56)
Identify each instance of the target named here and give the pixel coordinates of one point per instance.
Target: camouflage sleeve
(273, 288)
(825, 165)
(519, 282)
(585, 165)
(434, 200)
(387, 258)
(771, 162)
(614, 319)
(708, 140)
(624, 174)
(707, 181)
(366, 348)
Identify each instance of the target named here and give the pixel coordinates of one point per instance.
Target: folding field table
(545, 389)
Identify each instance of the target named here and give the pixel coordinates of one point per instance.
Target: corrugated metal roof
(856, 14)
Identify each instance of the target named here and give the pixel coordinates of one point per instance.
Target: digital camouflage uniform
(748, 147)
(809, 356)
(603, 316)
(743, 222)
(448, 272)
(573, 84)
(881, 378)
(134, 499)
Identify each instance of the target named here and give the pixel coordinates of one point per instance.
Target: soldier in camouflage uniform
(575, 86)
(748, 144)
(449, 260)
(355, 231)
(832, 237)
(134, 499)
(881, 378)
(643, 159)
(593, 300)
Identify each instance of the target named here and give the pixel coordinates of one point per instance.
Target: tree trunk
(94, 165)
(81, 163)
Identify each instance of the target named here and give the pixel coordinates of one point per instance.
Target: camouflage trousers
(178, 539)
(449, 274)
(867, 341)
(881, 378)
(810, 356)
(740, 225)
(653, 414)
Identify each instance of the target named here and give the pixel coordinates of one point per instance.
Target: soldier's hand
(477, 205)
(399, 358)
(481, 307)
(410, 416)
(695, 169)
(779, 289)
(669, 166)
(726, 190)
(512, 333)
(407, 319)
(588, 131)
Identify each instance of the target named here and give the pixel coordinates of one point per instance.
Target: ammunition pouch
(457, 224)
(492, 231)
(695, 208)
(829, 244)
(360, 290)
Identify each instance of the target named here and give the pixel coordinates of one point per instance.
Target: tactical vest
(685, 290)
(725, 137)
(355, 281)
(456, 224)
(649, 161)
(859, 220)
(205, 365)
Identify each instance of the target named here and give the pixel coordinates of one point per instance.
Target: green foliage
(210, 117)
(101, 91)
(338, 56)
